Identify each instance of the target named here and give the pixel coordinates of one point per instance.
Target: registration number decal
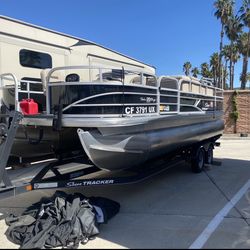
(140, 110)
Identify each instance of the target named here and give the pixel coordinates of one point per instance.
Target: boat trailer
(70, 172)
(54, 173)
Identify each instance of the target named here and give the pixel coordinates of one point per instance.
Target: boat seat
(136, 80)
(151, 82)
(57, 76)
(72, 78)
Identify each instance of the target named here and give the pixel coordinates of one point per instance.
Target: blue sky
(162, 33)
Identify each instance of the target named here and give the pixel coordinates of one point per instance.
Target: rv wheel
(210, 154)
(198, 160)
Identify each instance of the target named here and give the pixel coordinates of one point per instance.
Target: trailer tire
(209, 155)
(198, 160)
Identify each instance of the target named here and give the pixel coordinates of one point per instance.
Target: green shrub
(235, 113)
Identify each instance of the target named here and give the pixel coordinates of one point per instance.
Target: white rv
(26, 49)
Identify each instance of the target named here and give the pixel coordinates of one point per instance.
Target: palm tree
(224, 77)
(231, 53)
(245, 40)
(248, 77)
(186, 68)
(195, 71)
(224, 9)
(214, 64)
(233, 29)
(245, 12)
(205, 71)
(243, 45)
(226, 53)
(235, 56)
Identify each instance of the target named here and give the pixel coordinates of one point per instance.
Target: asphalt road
(176, 209)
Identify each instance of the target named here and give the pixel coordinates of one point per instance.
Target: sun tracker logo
(89, 183)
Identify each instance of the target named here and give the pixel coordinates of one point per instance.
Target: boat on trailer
(149, 118)
(113, 107)
(124, 121)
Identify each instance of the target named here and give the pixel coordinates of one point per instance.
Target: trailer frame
(56, 174)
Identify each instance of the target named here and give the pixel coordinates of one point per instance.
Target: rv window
(34, 59)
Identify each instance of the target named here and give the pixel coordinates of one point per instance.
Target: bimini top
(8, 27)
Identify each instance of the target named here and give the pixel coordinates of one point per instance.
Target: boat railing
(207, 81)
(8, 81)
(82, 75)
(190, 88)
(22, 89)
(166, 91)
(26, 87)
(93, 74)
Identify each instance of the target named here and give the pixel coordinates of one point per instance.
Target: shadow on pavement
(166, 211)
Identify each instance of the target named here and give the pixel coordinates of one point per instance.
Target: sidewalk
(238, 136)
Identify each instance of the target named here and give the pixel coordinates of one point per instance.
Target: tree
(233, 28)
(245, 40)
(243, 46)
(245, 12)
(224, 9)
(248, 77)
(195, 71)
(224, 77)
(226, 53)
(186, 68)
(214, 64)
(205, 71)
(235, 56)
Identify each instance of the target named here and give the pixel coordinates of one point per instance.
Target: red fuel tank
(29, 107)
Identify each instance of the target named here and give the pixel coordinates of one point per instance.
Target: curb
(235, 137)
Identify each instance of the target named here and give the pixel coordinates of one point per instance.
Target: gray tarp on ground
(62, 221)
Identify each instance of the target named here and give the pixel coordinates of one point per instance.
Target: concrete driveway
(176, 209)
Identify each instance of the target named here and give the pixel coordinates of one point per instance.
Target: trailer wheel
(210, 154)
(198, 160)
